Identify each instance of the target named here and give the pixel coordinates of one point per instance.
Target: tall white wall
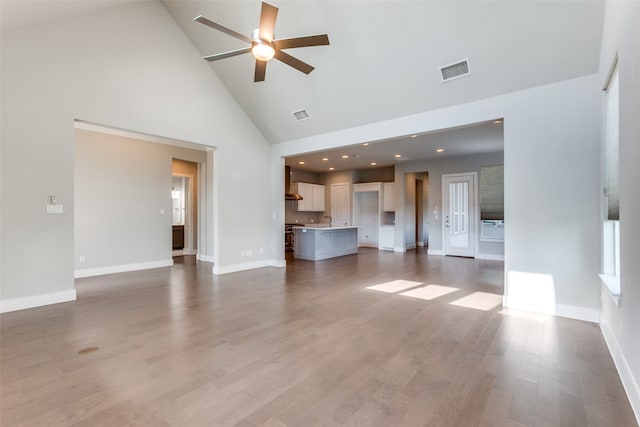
(621, 324)
(129, 67)
(551, 158)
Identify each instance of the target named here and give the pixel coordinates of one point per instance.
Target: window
(492, 203)
(611, 225)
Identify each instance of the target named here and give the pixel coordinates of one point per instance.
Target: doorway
(184, 207)
(420, 240)
(460, 210)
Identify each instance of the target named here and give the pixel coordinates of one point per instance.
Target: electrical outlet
(82, 258)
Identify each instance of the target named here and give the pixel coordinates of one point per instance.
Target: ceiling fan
(263, 45)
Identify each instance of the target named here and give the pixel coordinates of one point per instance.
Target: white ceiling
(383, 59)
(384, 55)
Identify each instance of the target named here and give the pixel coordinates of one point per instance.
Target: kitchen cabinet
(387, 237)
(312, 196)
(389, 198)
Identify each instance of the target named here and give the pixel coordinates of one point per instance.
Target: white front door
(459, 210)
(340, 209)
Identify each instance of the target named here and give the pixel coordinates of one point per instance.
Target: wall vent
(456, 70)
(301, 115)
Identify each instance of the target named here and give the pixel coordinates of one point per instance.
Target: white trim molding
(399, 249)
(14, 304)
(628, 382)
(490, 257)
(435, 252)
(561, 310)
(247, 266)
(205, 258)
(89, 272)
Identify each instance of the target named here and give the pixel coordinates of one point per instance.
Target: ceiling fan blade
(227, 54)
(206, 21)
(319, 40)
(293, 62)
(261, 69)
(268, 17)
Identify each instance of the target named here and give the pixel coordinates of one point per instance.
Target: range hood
(287, 186)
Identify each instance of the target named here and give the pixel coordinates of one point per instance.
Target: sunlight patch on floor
(429, 292)
(479, 301)
(394, 286)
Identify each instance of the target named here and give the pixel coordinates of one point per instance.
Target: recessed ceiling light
(440, 150)
(413, 136)
(498, 121)
(324, 159)
(301, 163)
(365, 144)
(332, 169)
(397, 156)
(373, 163)
(344, 156)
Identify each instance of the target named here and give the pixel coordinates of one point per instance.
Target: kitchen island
(316, 243)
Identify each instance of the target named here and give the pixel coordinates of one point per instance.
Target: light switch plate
(55, 209)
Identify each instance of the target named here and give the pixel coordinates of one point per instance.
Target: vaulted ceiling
(384, 57)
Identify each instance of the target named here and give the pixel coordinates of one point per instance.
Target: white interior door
(460, 207)
(366, 217)
(340, 209)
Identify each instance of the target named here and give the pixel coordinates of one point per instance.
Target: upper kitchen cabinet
(389, 198)
(312, 196)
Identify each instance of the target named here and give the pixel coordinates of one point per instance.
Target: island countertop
(316, 243)
(322, 227)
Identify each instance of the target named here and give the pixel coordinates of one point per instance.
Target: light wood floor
(303, 346)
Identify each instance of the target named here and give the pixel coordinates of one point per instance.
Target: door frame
(474, 221)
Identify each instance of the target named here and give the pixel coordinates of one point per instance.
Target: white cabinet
(312, 196)
(387, 237)
(318, 198)
(389, 204)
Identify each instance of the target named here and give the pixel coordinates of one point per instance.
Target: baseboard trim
(420, 243)
(219, 270)
(90, 272)
(15, 304)
(280, 263)
(410, 247)
(435, 252)
(560, 310)
(628, 382)
(490, 257)
(399, 249)
(205, 258)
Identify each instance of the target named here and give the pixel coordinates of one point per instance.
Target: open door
(460, 207)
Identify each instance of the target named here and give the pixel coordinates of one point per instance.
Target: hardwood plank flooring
(309, 345)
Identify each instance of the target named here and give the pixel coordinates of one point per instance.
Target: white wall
(436, 169)
(620, 325)
(129, 67)
(551, 186)
(121, 184)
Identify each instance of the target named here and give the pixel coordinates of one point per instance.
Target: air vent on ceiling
(456, 70)
(301, 115)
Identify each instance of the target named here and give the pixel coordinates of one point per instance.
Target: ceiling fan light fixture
(262, 51)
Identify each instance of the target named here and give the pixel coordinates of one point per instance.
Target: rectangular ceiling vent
(456, 70)
(301, 115)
